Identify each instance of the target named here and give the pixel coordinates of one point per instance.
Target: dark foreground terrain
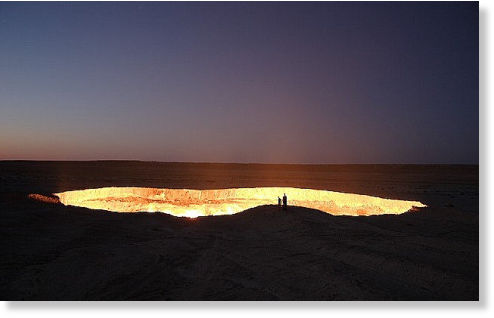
(53, 252)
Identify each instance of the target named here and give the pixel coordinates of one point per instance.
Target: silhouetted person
(279, 202)
(284, 201)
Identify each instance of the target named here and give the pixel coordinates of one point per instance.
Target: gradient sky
(240, 82)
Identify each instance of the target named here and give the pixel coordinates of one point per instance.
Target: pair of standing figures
(284, 201)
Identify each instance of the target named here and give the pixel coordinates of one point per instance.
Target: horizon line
(237, 163)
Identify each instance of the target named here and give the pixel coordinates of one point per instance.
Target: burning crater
(194, 203)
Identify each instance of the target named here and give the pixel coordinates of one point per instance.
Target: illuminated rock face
(193, 203)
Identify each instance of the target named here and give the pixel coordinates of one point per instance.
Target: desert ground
(54, 252)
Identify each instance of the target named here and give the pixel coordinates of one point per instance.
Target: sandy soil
(53, 252)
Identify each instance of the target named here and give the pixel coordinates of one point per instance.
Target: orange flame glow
(194, 203)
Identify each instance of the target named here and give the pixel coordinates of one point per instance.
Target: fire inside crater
(194, 203)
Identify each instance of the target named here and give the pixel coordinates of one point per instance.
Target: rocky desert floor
(54, 252)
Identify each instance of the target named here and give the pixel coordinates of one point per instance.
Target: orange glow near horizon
(195, 203)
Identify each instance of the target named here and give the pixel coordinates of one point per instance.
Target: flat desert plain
(54, 252)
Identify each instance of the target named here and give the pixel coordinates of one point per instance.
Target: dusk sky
(240, 82)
